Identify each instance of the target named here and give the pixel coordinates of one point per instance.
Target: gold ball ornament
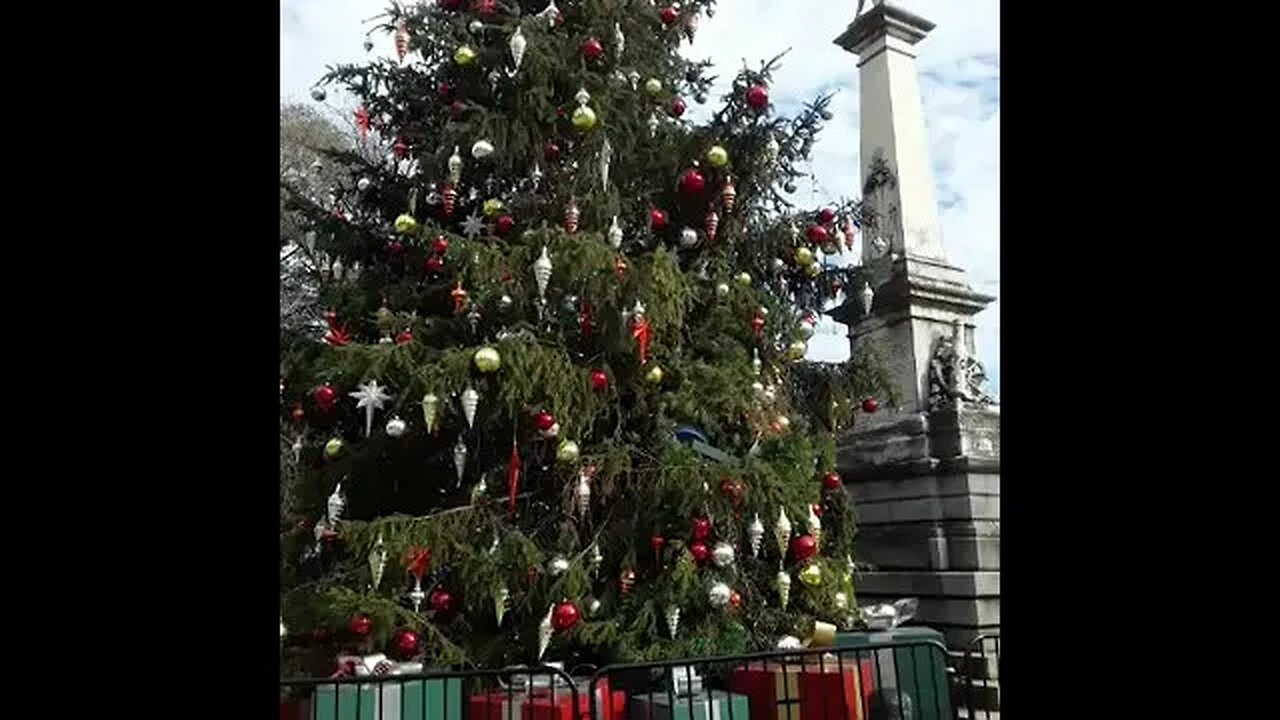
(813, 270)
(797, 350)
(333, 448)
(492, 207)
(653, 86)
(568, 452)
(744, 278)
(487, 360)
(722, 289)
(405, 224)
(654, 376)
(781, 424)
(464, 55)
(804, 256)
(811, 575)
(584, 118)
(717, 156)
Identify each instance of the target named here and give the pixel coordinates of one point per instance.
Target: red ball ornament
(326, 396)
(818, 509)
(826, 216)
(565, 616)
(701, 528)
(804, 547)
(442, 601)
(404, 644)
(700, 551)
(485, 8)
(669, 15)
(757, 324)
(395, 247)
(433, 264)
(505, 223)
(677, 107)
(692, 181)
(298, 414)
(657, 219)
(758, 97)
(405, 336)
(551, 152)
(400, 149)
(457, 108)
(870, 405)
(732, 489)
(735, 600)
(817, 234)
(832, 481)
(592, 49)
(544, 421)
(440, 245)
(627, 581)
(599, 380)
(444, 91)
(361, 625)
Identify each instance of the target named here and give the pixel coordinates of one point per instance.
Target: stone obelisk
(925, 475)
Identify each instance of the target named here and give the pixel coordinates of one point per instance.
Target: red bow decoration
(362, 122)
(641, 332)
(338, 334)
(513, 478)
(417, 560)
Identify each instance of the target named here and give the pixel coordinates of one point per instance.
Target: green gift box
(390, 700)
(903, 662)
(705, 705)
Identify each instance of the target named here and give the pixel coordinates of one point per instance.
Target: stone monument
(925, 475)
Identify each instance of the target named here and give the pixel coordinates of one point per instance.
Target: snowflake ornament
(371, 397)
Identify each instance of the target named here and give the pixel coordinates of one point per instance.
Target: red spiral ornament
(711, 224)
(571, 218)
(728, 196)
(402, 41)
(450, 196)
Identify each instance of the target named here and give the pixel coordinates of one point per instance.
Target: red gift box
(809, 691)
(542, 704)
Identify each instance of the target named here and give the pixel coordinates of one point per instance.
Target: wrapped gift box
(706, 705)
(543, 703)
(903, 662)
(811, 690)
(390, 700)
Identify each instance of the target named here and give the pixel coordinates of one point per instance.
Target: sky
(959, 64)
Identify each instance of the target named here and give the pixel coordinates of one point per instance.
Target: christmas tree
(560, 410)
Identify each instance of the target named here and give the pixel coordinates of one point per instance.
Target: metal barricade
(444, 695)
(978, 677)
(890, 681)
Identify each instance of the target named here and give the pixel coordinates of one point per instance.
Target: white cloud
(960, 69)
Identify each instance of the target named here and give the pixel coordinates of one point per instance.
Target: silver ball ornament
(318, 94)
(363, 184)
(558, 566)
(368, 45)
(476, 26)
(722, 289)
(723, 554)
(688, 237)
(396, 427)
(719, 594)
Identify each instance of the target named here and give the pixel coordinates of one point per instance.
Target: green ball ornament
(717, 156)
(492, 207)
(464, 55)
(654, 376)
(333, 448)
(487, 360)
(811, 575)
(804, 256)
(405, 224)
(653, 86)
(584, 118)
(744, 278)
(797, 350)
(568, 452)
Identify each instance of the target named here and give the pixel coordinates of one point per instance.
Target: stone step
(962, 713)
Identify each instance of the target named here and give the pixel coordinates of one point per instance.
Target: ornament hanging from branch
(470, 401)
(711, 225)
(755, 533)
(571, 216)
(449, 199)
(542, 269)
(550, 15)
(455, 166)
(615, 233)
(673, 620)
(606, 157)
(402, 41)
(362, 122)
(431, 411)
(513, 477)
(517, 44)
(782, 532)
(641, 331)
(460, 458)
(582, 495)
(783, 584)
(545, 630)
(371, 397)
(729, 195)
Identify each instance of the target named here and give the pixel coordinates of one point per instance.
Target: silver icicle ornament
(582, 495)
(460, 458)
(755, 534)
(606, 157)
(545, 631)
(517, 45)
(377, 561)
(542, 272)
(782, 532)
(431, 411)
(455, 167)
(500, 598)
(673, 620)
(653, 125)
(619, 40)
(615, 233)
(470, 401)
(867, 296)
(772, 149)
(783, 585)
(815, 525)
(416, 595)
(335, 505)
